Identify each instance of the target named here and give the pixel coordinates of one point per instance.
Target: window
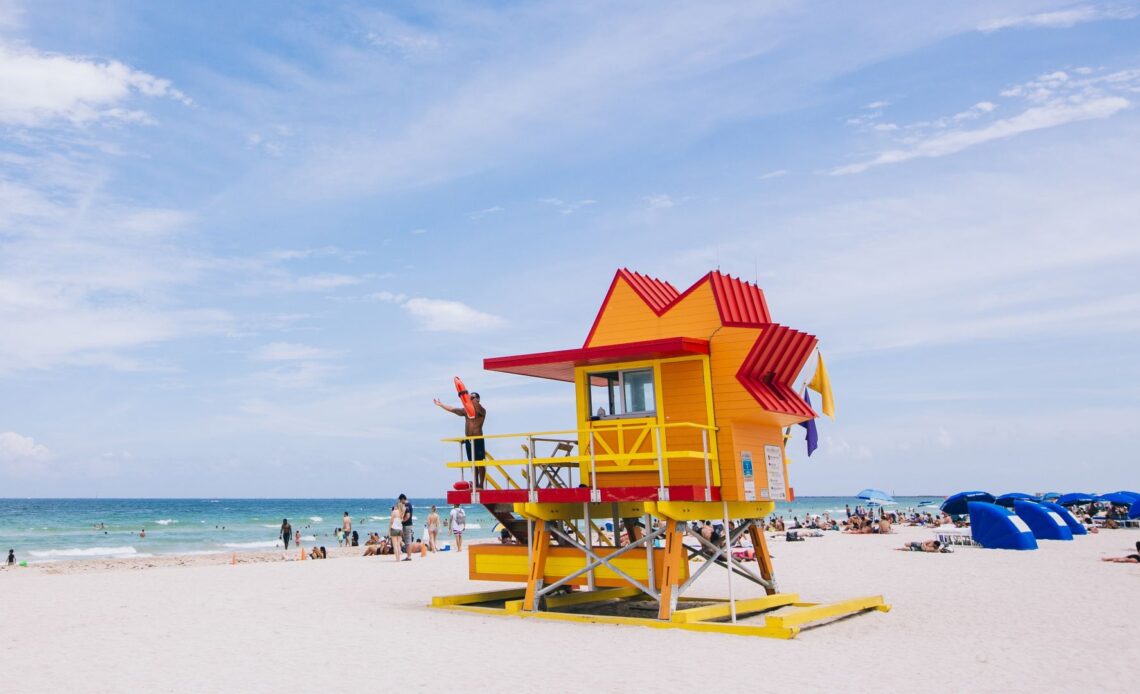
(622, 393)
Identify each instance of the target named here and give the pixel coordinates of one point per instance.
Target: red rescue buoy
(465, 398)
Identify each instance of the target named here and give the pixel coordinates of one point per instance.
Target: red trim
(581, 495)
(773, 362)
(560, 365)
(602, 310)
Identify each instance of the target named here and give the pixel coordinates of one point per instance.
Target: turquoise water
(42, 530)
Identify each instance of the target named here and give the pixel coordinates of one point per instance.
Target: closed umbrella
(955, 504)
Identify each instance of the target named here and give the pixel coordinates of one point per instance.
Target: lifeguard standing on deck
(472, 426)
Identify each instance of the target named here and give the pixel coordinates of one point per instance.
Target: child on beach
(12, 557)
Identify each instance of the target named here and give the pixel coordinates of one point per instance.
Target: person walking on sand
(472, 426)
(458, 525)
(407, 525)
(286, 532)
(396, 528)
(433, 530)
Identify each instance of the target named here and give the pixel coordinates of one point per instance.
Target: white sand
(976, 620)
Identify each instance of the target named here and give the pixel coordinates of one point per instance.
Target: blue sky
(243, 245)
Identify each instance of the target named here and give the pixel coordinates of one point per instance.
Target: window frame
(620, 384)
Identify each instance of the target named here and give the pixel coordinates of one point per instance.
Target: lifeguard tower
(682, 398)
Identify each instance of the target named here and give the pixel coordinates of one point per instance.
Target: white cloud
(288, 351)
(659, 201)
(1033, 118)
(778, 173)
(306, 253)
(877, 105)
(21, 456)
(389, 297)
(418, 232)
(326, 281)
(479, 214)
(1060, 19)
(566, 207)
(1055, 99)
(441, 315)
(450, 316)
(41, 88)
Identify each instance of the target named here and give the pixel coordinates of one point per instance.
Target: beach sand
(976, 620)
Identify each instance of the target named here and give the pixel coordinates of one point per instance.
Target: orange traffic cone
(302, 552)
(233, 561)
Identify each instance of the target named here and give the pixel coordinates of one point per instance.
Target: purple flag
(812, 434)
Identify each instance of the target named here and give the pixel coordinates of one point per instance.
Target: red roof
(768, 370)
(559, 365)
(657, 293)
(739, 303)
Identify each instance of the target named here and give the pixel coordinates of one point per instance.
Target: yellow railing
(633, 447)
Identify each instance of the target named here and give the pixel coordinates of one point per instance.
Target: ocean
(45, 530)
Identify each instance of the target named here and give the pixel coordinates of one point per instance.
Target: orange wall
(742, 423)
(628, 319)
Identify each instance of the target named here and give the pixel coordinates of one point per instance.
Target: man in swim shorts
(472, 426)
(927, 546)
(458, 524)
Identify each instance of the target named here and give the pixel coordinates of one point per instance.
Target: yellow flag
(821, 384)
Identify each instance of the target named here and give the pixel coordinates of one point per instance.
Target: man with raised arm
(473, 426)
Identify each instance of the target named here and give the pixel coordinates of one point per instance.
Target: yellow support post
(540, 550)
(671, 565)
(760, 546)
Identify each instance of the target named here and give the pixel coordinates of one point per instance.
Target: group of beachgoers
(399, 540)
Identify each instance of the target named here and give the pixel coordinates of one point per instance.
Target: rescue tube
(465, 398)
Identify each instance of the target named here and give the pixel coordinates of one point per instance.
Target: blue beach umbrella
(1008, 499)
(1121, 498)
(874, 495)
(1075, 499)
(955, 504)
(1134, 495)
(1134, 511)
(1050, 496)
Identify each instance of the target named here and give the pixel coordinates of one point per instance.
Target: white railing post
(728, 558)
(595, 495)
(532, 493)
(589, 541)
